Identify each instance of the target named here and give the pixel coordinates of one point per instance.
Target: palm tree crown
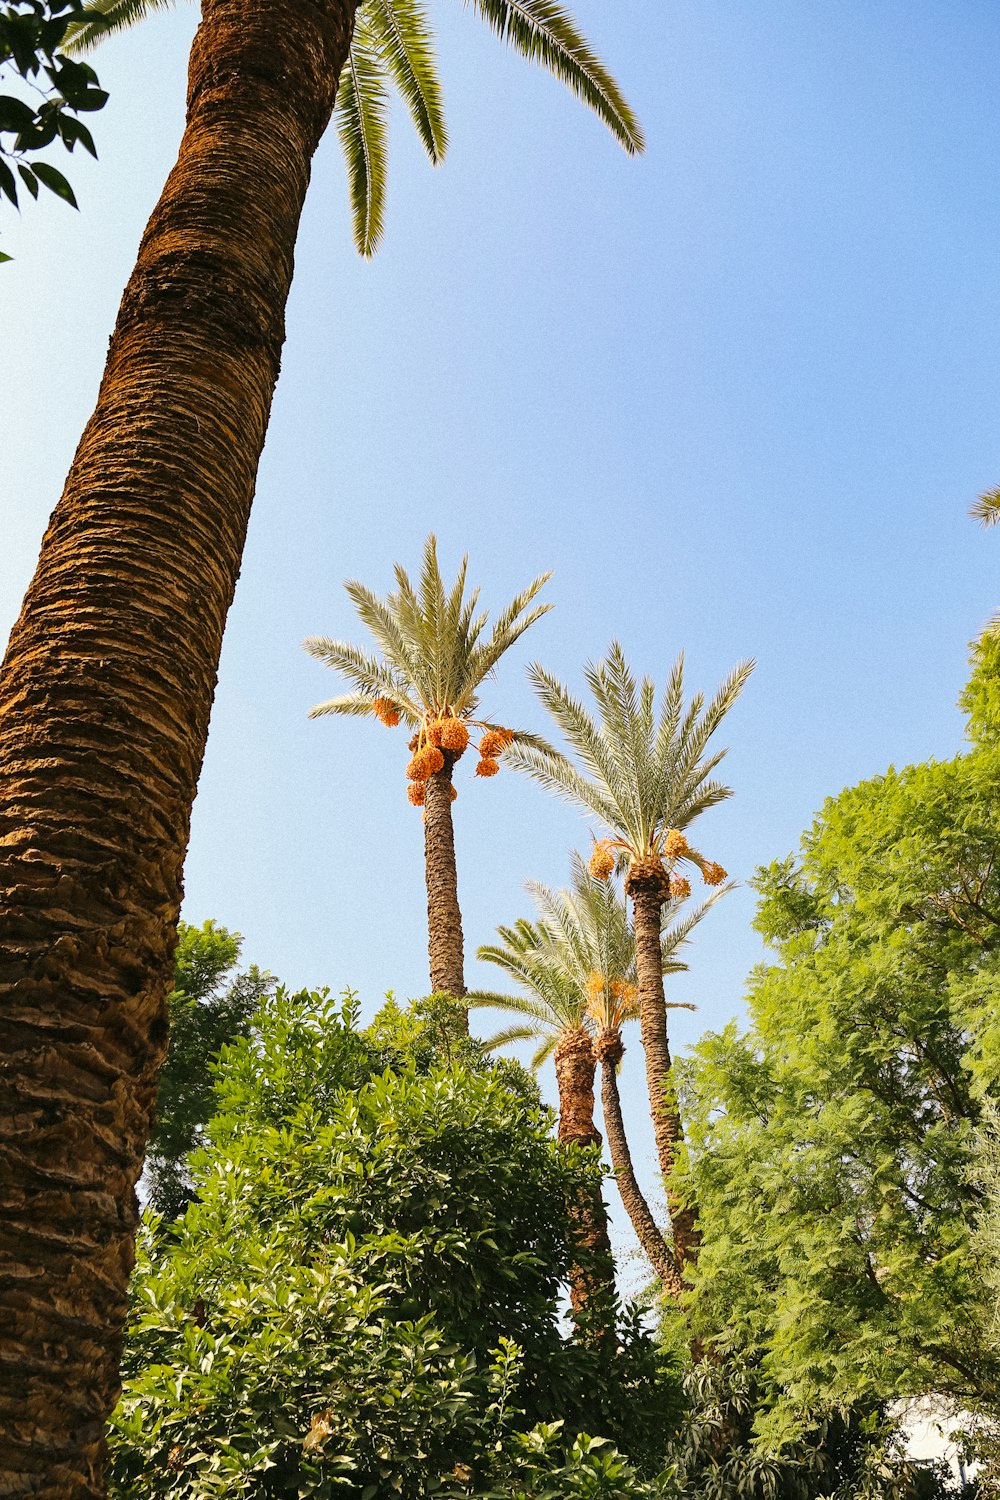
(643, 776)
(432, 659)
(393, 50)
(575, 964)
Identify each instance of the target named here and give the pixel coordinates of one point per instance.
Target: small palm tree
(392, 50)
(645, 777)
(554, 1011)
(577, 966)
(432, 659)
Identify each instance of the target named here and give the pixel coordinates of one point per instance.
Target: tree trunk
(609, 1050)
(647, 899)
(105, 697)
(592, 1271)
(444, 918)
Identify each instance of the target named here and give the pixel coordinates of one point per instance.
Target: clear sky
(738, 393)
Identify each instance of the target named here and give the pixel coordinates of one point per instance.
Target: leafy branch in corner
(53, 91)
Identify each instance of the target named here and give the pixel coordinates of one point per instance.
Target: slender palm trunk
(105, 697)
(647, 900)
(592, 1271)
(444, 918)
(609, 1050)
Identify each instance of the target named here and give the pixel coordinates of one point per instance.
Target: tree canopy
(831, 1144)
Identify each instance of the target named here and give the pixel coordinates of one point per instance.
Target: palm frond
(508, 1035)
(405, 42)
(352, 705)
(986, 509)
(119, 15)
(509, 626)
(543, 31)
(559, 776)
(362, 115)
(366, 672)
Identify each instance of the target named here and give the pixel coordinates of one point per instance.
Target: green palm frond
(986, 509)
(544, 32)
(348, 705)
(119, 15)
(362, 118)
(402, 33)
(371, 677)
(509, 1035)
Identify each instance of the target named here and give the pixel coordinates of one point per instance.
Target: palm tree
(585, 952)
(554, 1012)
(432, 660)
(645, 777)
(106, 691)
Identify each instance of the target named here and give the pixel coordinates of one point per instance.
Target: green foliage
(849, 1456)
(830, 1145)
(337, 1311)
(981, 699)
(32, 34)
(210, 1006)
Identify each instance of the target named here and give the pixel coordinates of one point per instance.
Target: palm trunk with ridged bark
(105, 697)
(592, 1271)
(609, 1050)
(647, 892)
(444, 918)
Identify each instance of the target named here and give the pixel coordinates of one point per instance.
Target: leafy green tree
(103, 722)
(364, 1299)
(210, 1007)
(644, 777)
(831, 1145)
(33, 34)
(432, 660)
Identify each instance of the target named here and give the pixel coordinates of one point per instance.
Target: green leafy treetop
(210, 1007)
(831, 1145)
(364, 1300)
(393, 50)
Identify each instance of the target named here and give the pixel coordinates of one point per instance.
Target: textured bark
(610, 1051)
(647, 898)
(105, 697)
(592, 1271)
(444, 918)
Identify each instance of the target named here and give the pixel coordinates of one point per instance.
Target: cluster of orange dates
(433, 738)
(675, 846)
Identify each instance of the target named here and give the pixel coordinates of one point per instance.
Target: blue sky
(738, 393)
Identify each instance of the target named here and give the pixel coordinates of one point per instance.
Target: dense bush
(365, 1297)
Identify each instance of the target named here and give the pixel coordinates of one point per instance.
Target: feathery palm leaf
(393, 48)
(987, 508)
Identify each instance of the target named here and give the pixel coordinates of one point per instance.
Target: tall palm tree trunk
(592, 1271)
(646, 891)
(104, 705)
(444, 917)
(609, 1050)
